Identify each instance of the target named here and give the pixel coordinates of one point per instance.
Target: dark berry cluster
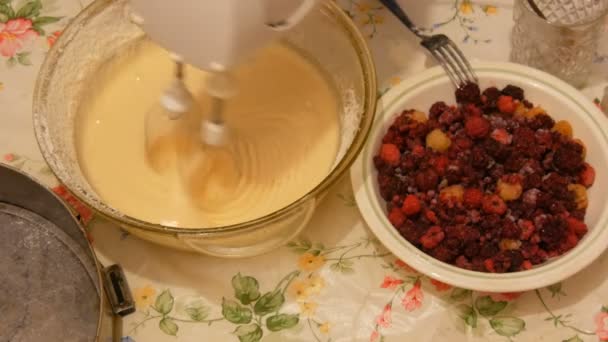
(492, 184)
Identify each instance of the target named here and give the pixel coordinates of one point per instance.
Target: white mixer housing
(215, 35)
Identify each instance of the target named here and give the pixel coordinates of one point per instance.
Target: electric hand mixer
(214, 36)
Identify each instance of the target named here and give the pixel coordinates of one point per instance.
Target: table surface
(335, 282)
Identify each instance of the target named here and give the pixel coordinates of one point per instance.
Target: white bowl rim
(363, 181)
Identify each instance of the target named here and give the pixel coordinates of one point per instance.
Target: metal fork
(441, 48)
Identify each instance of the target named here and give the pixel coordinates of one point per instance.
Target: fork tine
(439, 58)
(452, 61)
(472, 76)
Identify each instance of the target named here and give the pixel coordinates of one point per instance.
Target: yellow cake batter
(284, 128)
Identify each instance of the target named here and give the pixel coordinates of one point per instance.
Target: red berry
(472, 197)
(587, 176)
(527, 229)
(489, 264)
(526, 265)
(569, 243)
(576, 226)
(431, 216)
(472, 110)
(502, 136)
(493, 204)
(477, 127)
(411, 205)
(506, 104)
(432, 237)
(440, 163)
(396, 217)
(418, 151)
(390, 154)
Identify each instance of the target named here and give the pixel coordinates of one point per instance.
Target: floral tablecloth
(336, 282)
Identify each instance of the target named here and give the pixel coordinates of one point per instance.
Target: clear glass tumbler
(564, 43)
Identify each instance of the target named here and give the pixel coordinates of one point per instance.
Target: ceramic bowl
(561, 101)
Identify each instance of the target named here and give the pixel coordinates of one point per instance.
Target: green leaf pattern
(234, 312)
(164, 302)
(246, 289)
(168, 326)
(249, 333)
(507, 326)
(281, 321)
(488, 307)
(269, 302)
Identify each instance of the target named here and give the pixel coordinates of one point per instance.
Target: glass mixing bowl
(327, 36)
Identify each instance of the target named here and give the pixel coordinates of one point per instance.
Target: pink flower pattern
(413, 298)
(9, 157)
(601, 325)
(384, 319)
(440, 286)
(14, 35)
(390, 282)
(374, 336)
(505, 296)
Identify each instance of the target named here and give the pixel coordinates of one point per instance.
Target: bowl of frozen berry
(491, 187)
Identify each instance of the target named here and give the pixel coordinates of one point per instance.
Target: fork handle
(398, 12)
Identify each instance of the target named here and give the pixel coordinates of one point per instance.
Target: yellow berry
(580, 142)
(438, 141)
(418, 116)
(453, 192)
(508, 244)
(563, 127)
(580, 195)
(520, 110)
(535, 111)
(508, 191)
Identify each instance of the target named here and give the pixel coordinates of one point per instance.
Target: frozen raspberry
(489, 98)
(390, 154)
(426, 180)
(570, 242)
(553, 231)
(437, 109)
(411, 205)
(576, 226)
(418, 151)
(515, 92)
(568, 157)
(440, 163)
(501, 135)
(477, 127)
(587, 176)
(472, 198)
(396, 217)
(541, 121)
(526, 265)
(492, 204)
(489, 265)
(431, 216)
(527, 229)
(432, 237)
(469, 93)
(544, 137)
(472, 110)
(506, 104)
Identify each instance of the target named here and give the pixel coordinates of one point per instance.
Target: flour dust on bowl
(51, 281)
(559, 101)
(303, 111)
